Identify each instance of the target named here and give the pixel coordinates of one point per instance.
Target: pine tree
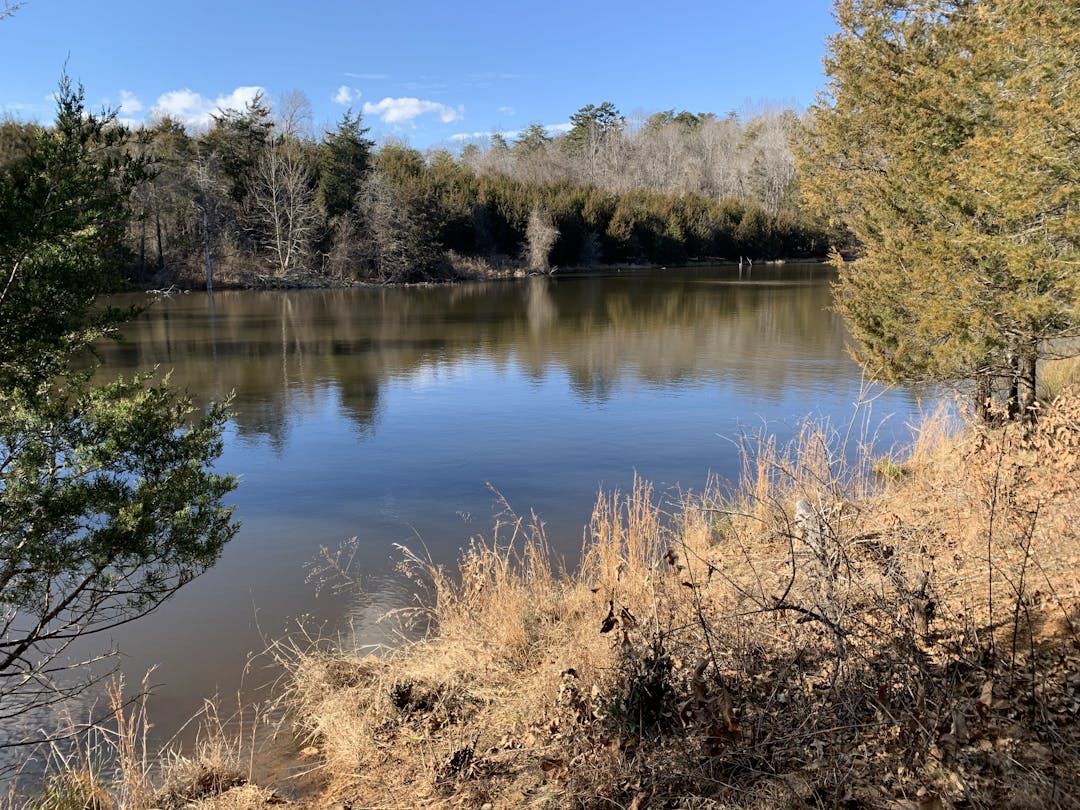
(948, 144)
(344, 158)
(108, 503)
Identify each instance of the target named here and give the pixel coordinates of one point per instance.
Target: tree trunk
(1025, 384)
(206, 248)
(983, 394)
(142, 248)
(1012, 392)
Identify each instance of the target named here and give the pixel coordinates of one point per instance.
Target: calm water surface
(384, 414)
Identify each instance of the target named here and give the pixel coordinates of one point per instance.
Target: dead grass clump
(109, 765)
(191, 780)
(241, 797)
(1057, 374)
(820, 638)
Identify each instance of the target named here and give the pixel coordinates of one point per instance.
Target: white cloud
(129, 104)
(511, 134)
(507, 110)
(195, 110)
(346, 95)
(470, 136)
(402, 110)
(368, 76)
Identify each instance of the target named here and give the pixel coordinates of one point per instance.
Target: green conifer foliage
(948, 144)
(344, 157)
(108, 499)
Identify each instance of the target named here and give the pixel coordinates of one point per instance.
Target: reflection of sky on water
(384, 414)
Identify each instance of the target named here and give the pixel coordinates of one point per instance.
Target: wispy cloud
(371, 77)
(129, 104)
(426, 86)
(507, 110)
(30, 109)
(346, 95)
(195, 110)
(404, 110)
(465, 137)
(550, 129)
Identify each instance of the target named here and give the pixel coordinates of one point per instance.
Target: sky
(430, 73)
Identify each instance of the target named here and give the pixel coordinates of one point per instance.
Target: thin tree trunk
(142, 248)
(983, 394)
(206, 245)
(1025, 384)
(1012, 400)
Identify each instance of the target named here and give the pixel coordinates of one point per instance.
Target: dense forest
(260, 198)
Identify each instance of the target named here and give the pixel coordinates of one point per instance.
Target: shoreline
(873, 641)
(468, 271)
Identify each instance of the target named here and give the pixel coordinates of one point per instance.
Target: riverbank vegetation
(841, 629)
(259, 198)
(884, 632)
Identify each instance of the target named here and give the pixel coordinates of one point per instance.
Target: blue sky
(431, 73)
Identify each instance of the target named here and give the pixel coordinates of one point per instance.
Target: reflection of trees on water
(280, 351)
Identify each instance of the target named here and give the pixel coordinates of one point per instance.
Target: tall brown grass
(1057, 374)
(824, 636)
(110, 764)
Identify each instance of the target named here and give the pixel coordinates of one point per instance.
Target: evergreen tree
(108, 503)
(590, 125)
(948, 145)
(63, 197)
(238, 137)
(532, 139)
(344, 158)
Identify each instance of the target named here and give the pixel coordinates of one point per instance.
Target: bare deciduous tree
(391, 228)
(283, 204)
(540, 237)
(293, 116)
(209, 191)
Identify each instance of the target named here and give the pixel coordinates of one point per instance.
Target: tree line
(258, 197)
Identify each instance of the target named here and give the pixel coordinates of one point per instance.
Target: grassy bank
(877, 632)
(901, 633)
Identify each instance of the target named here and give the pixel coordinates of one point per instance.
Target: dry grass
(109, 765)
(1058, 374)
(823, 638)
(841, 631)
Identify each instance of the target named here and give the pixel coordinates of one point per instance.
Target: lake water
(385, 413)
